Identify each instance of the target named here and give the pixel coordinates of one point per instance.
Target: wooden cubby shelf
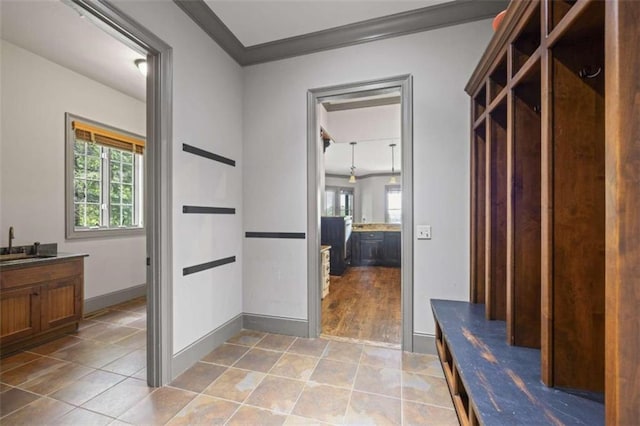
(480, 103)
(554, 226)
(498, 384)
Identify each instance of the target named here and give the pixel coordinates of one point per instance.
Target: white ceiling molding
(366, 103)
(256, 22)
(427, 18)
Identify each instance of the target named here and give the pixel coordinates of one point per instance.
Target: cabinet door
(371, 252)
(62, 302)
(20, 313)
(392, 248)
(355, 249)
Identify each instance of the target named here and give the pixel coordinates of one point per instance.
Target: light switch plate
(424, 232)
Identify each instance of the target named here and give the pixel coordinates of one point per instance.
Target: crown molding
(424, 19)
(367, 103)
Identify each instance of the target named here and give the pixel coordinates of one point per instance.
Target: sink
(34, 251)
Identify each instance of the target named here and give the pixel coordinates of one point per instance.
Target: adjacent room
(361, 217)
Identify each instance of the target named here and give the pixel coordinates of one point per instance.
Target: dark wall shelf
(209, 265)
(206, 154)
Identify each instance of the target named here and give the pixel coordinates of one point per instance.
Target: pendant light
(141, 64)
(393, 170)
(352, 178)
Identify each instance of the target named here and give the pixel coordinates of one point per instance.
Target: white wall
(207, 113)
(368, 194)
(370, 199)
(363, 124)
(374, 129)
(441, 62)
(322, 123)
(36, 93)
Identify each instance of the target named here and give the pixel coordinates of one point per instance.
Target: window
(393, 204)
(104, 180)
(330, 202)
(338, 201)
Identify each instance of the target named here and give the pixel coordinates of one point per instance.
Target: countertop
(376, 227)
(39, 260)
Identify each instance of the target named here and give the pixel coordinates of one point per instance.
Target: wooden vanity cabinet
(39, 300)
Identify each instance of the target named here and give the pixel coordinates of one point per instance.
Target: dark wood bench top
(502, 381)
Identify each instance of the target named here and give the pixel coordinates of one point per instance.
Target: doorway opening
(360, 212)
(157, 174)
(117, 172)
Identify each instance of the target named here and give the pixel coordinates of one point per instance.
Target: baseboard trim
(104, 301)
(424, 343)
(201, 347)
(279, 325)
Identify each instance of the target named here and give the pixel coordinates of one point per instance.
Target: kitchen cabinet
(325, 268)
(336, 232)
(392, 249)
(376, 248)
(39, 299)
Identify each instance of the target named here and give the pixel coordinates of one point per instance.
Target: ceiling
(372, 127)
(255, 22)
(372, 156)
(58, 33)
(259, 31)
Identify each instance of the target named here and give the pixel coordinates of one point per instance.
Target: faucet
(11, 237)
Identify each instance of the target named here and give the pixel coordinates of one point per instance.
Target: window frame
(387, 190)
(336, 199)
(71, 231)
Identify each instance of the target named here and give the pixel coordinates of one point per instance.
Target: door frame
(158, 190)
(314, 152)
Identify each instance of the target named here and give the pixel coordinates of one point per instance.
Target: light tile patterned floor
(97, 377)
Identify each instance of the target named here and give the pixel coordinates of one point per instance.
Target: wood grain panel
(30, 274)
(578, 215)
(525, 287)
(62, 302)
(19, 313)
(622, 405)
(479, 223)
(496, 287)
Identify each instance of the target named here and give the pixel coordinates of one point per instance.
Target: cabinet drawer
(36, 274)
(371, 235)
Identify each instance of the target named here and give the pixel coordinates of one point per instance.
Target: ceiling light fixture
(141, 64)
(393, 170)
(352, 178)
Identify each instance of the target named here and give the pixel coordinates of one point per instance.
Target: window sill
(104, 233)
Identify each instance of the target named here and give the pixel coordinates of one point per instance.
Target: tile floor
(97, 377)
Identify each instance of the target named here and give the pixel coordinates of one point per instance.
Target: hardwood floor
(364, 304)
